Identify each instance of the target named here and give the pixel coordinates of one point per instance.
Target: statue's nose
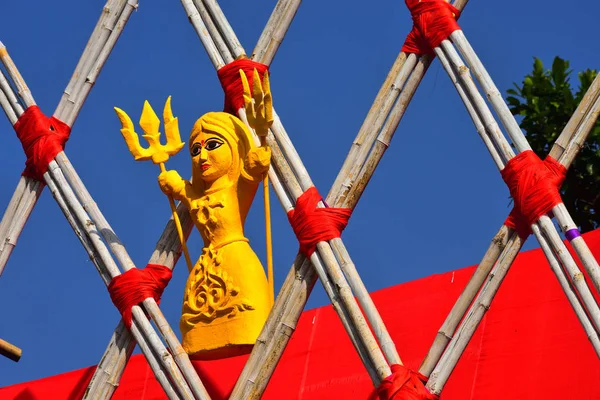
(203, 154)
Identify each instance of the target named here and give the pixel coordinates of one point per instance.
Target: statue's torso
(226, 299)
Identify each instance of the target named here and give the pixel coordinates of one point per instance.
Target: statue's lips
(205, 166)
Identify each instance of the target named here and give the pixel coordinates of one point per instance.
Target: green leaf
(544, 103)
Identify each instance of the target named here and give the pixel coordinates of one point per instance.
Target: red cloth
(530, 335)
(404, 384)
(136, 285)
(534, 185)
(433, 22)
(313, 225)
(42, 139)
(229, 76)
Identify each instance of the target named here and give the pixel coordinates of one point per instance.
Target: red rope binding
(433, 22)
(404, 384)
(534, 185)
(42, 139)
(229, 75)
(313, 225)
(136, 285)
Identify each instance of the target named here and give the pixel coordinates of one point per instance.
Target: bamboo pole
(329, 269)
(546, 230)
(275, 30)
(71, 201)
(150, 344)
(576, 136)
(96, 52)
(333, 269)
(301, 279)
(560, 212)
(118, 249)
(78, 98)
(112, 365)
(571, 138)
(90, 234)
(98, 39)
(10, 351)
(556, 267)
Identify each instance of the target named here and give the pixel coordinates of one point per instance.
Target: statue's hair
(233, 131)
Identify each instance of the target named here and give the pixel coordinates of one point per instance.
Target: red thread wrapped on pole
(404, 384)
(42, 139)
(229, 76)
(313, 225)
(433, 22)
(534, 185)
(136, 285)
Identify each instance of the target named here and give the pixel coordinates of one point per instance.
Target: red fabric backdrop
(530, 336)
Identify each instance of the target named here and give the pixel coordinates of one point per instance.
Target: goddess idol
(226, 298)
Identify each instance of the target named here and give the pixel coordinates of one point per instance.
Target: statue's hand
(171, 183)
(259, 103)
(258, 160)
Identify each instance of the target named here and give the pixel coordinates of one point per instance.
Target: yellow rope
(269, 238)
(178, 226)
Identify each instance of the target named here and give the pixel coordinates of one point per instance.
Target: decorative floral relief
(212, 294)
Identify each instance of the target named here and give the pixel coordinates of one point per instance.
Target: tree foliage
(545, 101)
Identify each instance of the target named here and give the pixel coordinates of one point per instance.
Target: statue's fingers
(268, 99)
(247, 98)
(257, 92)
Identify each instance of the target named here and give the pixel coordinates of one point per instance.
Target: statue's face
(211, 154)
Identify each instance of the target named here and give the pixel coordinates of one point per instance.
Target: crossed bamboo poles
(290, 179)
(383, 139)
(503, 250)
(82, 213)
(561, 262)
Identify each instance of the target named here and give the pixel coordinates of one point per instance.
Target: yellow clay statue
(227, 298)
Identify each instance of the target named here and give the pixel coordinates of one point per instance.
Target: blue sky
(433, 205)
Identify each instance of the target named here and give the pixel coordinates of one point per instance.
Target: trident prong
(157, 152)
(150, 124)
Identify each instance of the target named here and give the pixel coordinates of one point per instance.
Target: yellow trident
(157, 152)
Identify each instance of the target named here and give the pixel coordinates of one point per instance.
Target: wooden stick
(552, 259)
(99, 247)
(28, 190)
(90, 235)
(301, 279)
(65, 198)
(506, 241)
(91, 55)
(103, 29)
(218, 60)
(546, 228)
(113, 362)
(22, 89)
(275, 30)
(10, 351)
(7, 106)
(118, 249)
(15, 104)
(78, 98)
(325, 254)
(560, 212)
(332, 269)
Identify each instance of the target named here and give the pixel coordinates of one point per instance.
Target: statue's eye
(213, 144)
(196, 147)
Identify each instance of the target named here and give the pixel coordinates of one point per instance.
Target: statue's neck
(218, 184)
